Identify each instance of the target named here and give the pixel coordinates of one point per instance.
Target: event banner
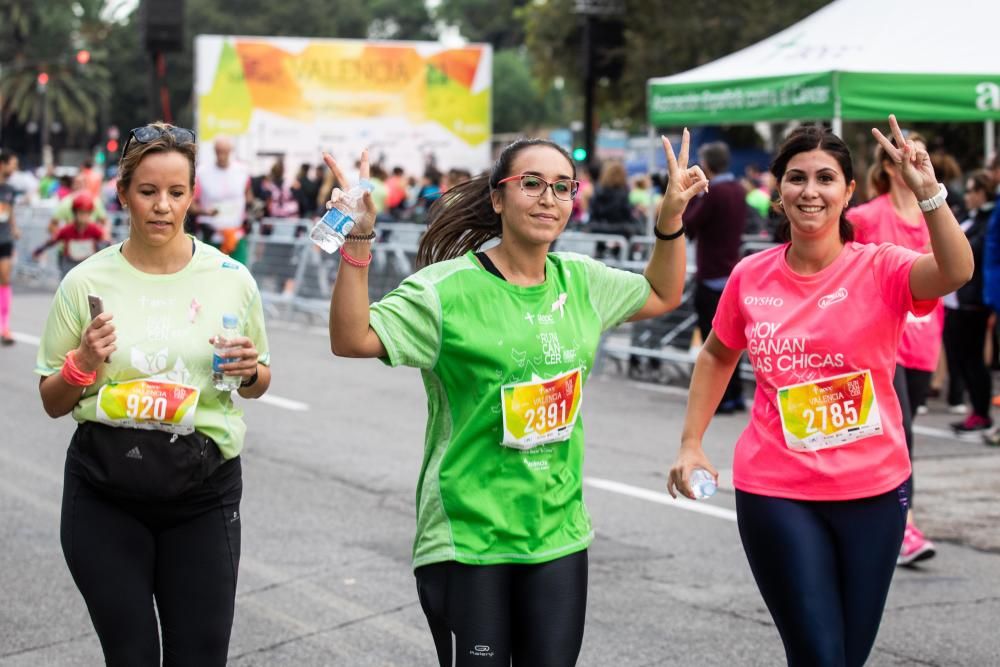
(921, 97)
(806, 97)
(409, 103)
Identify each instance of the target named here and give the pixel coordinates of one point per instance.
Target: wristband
(668, 237)
(249, 382)
(353, 261)
(72, 373)
(370, 237)
(935, 202)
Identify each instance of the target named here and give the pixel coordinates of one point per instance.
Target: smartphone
(96, 308)
(96, 305)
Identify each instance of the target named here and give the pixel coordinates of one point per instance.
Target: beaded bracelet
(370, 236)
(353, 261)
(72, 373)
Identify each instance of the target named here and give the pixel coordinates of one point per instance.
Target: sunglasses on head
(148, 133)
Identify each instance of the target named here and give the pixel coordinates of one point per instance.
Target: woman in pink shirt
(821, 470)
(894, 216)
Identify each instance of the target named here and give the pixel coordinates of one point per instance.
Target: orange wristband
(72, 373)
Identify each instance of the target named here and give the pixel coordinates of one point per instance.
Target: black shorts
(6, 249)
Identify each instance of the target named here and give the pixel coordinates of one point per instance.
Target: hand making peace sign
(685, 182)
(364, 223)
(914, 163)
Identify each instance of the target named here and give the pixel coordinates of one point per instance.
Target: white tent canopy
(855, 60)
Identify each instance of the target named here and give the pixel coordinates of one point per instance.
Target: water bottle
(338, 221)
(230, 331)
(702, 484)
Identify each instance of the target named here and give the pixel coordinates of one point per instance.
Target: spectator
(716, 221)
(221, 196)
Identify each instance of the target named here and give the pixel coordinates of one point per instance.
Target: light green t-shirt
(63, 212)
(474, 336)
(163, 324)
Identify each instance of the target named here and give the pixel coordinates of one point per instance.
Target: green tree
(490, 21)
(659, 39)
(519, 104)
(43, 36)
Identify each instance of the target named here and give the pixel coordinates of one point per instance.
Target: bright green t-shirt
(161, 372)
(498, 363)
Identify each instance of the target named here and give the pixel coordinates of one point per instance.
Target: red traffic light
(112, 145)
(43, 78)
(83, 56)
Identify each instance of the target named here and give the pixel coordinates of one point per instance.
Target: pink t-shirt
(878, 222)
(821, 346)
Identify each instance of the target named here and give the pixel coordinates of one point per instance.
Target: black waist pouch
(143, 464)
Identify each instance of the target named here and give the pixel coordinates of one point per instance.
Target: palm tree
(45, 36)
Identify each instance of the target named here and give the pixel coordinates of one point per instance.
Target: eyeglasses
(148, 133)
(534, 186)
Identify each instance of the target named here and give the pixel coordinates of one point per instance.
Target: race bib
(541, 411)
(148, 404)
(829, 412)
(79, 249)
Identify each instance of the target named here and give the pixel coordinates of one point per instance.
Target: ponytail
(460, 220)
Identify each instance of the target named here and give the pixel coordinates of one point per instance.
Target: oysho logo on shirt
(831, 299)
(775, 301)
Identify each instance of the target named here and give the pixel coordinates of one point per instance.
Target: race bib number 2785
(829, 412)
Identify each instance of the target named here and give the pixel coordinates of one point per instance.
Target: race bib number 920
(148, 404)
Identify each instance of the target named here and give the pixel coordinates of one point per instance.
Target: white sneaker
(960, 409)
(921, 409)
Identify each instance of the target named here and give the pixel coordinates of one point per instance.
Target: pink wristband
(72, 373)
(353, 261)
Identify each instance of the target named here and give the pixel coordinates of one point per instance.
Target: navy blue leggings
(521, 615)
(824, 569)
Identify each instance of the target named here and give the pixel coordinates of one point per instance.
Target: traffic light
(83, 56)
(580, 154)
(112, 145)
(43, 79)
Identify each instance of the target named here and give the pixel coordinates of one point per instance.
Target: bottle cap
(230, 321)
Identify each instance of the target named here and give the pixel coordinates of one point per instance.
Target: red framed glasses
(534, 186)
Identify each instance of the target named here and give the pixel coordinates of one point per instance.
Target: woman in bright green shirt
(505, 340)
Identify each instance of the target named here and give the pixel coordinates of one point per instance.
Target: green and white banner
(920, 97)
(863, 96)
(806, 97)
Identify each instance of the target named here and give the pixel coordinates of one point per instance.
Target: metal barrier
(296, 280)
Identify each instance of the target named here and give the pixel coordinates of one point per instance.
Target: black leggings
(521, 615)
(964, 338)
(184, 553)
(823, 569)
(912, 387)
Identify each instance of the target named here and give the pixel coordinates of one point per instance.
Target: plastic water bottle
(230, 331)
(702, 484)
(338, 221)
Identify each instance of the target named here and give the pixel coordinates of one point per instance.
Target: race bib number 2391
(541, 411)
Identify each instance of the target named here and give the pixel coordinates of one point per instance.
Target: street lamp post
(588, 10)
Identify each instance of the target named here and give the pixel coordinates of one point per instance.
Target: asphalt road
(330, 468)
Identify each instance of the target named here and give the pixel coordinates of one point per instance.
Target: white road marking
(286, 403)
(700, 506)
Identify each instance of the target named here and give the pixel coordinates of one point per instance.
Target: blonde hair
(165, 143)
(613, 175)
